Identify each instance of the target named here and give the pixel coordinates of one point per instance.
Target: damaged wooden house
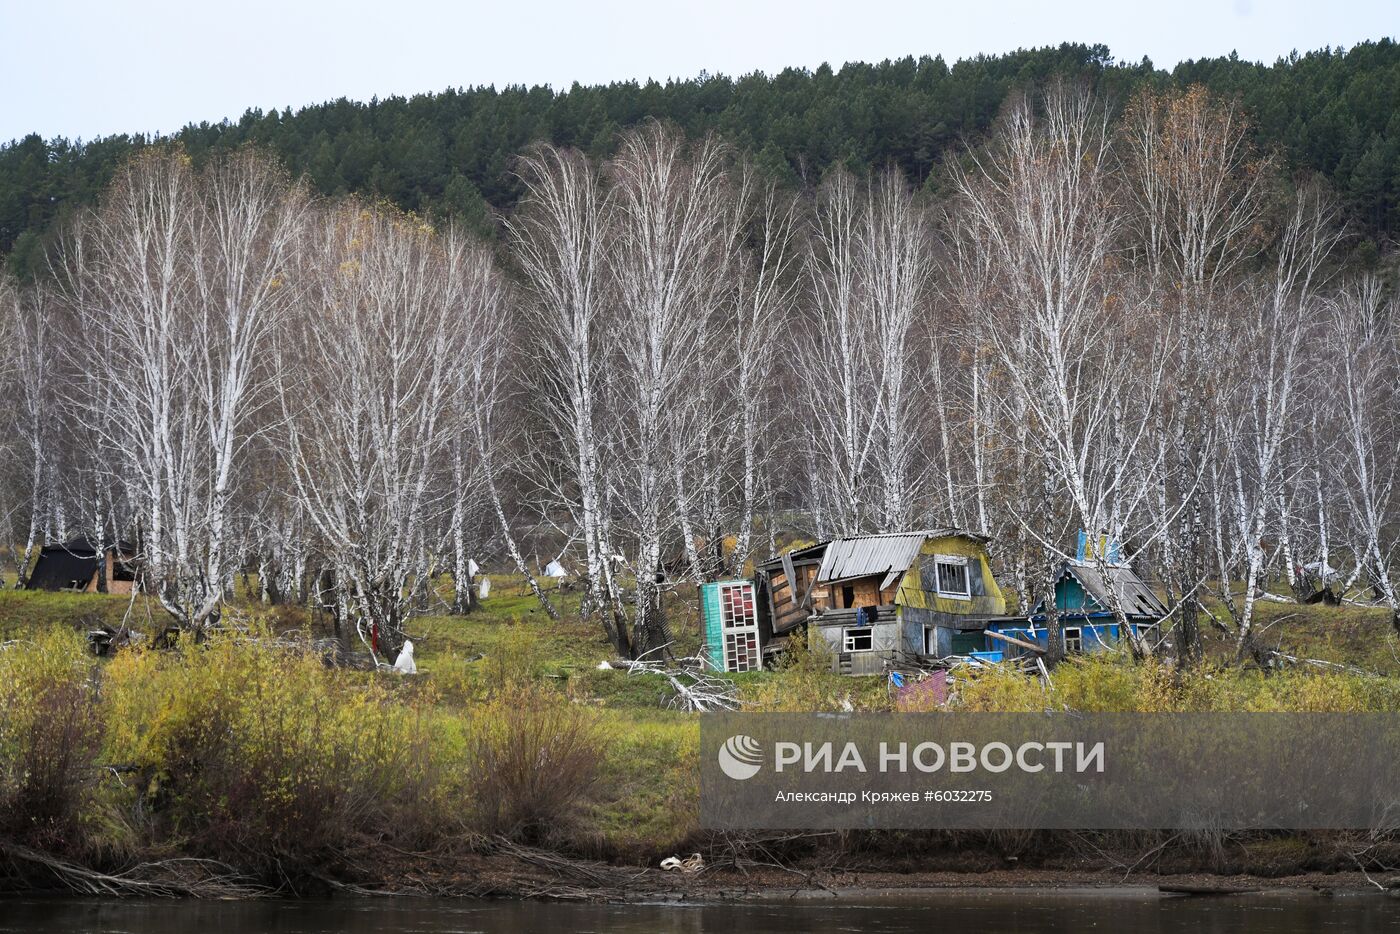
(1085, 594)
(880, 599)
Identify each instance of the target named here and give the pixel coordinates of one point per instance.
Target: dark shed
(73, 565)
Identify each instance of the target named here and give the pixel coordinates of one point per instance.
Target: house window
(848, 596)
(857, 640)
(736, 606)
(952, 576)
(1074, 639)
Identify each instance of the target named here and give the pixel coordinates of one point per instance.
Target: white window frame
(1078, 645)
(741, 648)
(857, 631)
(963, 561)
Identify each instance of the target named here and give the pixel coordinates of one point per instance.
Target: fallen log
(1028, 646)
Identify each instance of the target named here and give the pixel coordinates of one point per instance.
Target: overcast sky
(82, 68)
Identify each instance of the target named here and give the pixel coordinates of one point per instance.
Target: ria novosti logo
(740, 757)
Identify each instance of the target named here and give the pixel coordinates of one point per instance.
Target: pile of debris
(696, 687)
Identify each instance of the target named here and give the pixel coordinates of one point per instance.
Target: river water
(1139, 911)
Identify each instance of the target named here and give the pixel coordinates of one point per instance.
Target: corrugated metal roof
(1136, 597)
(890, 554)
(808, 553)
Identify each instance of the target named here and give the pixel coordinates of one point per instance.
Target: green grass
(649, 797)
(569, 650)
(1351, 635)
(22, 611)
(1361, 636)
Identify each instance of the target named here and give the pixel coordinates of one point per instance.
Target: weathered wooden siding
(867, 592)
(787, 608)
(887, 635)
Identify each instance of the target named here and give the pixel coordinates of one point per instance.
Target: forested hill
(1333, 111)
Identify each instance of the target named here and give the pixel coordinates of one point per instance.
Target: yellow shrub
(1091, 683)
(804, 681)
(999, 690)
(48, 737)
(261, 751)
(532, 758)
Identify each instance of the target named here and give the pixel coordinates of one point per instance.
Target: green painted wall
(1070, 595)
(713, 649)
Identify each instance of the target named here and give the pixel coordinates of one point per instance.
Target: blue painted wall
(1095, 633)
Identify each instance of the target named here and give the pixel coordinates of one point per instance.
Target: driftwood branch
(170, 878)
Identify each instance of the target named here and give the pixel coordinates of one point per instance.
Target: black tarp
(70, 565)
(64, 567)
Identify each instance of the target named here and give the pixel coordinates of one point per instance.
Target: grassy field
(1352, 635)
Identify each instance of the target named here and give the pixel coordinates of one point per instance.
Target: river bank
(524, 873)
(772, 884)
(505, 870)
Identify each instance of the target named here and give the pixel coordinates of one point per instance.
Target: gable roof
(1137, 599)
(890, 554)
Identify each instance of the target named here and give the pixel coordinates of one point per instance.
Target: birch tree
(670, 249)
(184, 278)
(389, 309)
(763, 304)
(11, 451)
(727, 424)
(834, 351)
(980, 406)
(558, 238)
(484, 404)
(1363, 344)
(868, 269)
(93, 481)
(1255, 420)
(896, 252)
(34, 422)
(1072, 341)
(1195, 187)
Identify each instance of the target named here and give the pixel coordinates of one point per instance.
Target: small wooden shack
(879, 599)
(73, 565)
